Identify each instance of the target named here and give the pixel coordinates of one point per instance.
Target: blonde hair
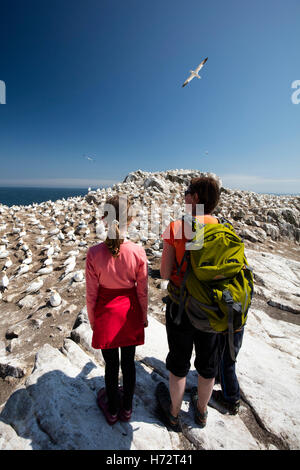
(114, 238)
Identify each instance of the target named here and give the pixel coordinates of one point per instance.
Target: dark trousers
(227, 374)
(181, 340)
(111, 358)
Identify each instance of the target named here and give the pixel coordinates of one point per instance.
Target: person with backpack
(210, 289)
(117, 303)
(183, 336)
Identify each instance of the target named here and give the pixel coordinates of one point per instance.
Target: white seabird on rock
(27, 260)
(50, 251)
(70, 260)
(48, 261)
(46, 270)
(4, 282)
(78, 276)
(24, 268)
(8, 263)
(70, 268)
(194, 73)
(34, 286)
(55, 299)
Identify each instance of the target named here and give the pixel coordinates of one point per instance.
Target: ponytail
(114, 238)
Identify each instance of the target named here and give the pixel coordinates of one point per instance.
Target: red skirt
(118, 319)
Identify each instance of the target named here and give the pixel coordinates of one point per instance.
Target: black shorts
(182, 338)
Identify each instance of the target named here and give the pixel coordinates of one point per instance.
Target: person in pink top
(117, 302)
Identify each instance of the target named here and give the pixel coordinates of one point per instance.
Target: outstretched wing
(201, 65)
(188, 80)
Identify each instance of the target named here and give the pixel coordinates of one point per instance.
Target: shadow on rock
(61, 412)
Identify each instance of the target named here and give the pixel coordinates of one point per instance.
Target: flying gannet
(194, 73)
(91, 159)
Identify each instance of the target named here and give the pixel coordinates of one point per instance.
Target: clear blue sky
(103, 78)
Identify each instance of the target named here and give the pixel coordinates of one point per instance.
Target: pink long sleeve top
(129, 269)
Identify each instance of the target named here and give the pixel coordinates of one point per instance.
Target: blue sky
(103, 78)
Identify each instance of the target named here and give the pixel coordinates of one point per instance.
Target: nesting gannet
(78, 276)
(48, 261)
(4, 254)
(34, 286)
(46, 270)
(55, 299)
(8, 264)
(24, 268)
(70, 260)
(4, 282)
(70, 268)
(25, 247)
(50, 251)
(27, 260)
(194, 73)
(73, 252)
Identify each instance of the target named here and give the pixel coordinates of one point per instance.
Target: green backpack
(217, 287)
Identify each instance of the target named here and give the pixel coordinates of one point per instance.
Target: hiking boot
(200, 419)
(218, 397)
(164, 402)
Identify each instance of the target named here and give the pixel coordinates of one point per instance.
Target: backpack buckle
(227, 297)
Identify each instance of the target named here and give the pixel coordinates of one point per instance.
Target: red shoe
(103, 405)
(124, 415)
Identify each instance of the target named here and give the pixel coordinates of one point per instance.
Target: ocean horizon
(25, 195)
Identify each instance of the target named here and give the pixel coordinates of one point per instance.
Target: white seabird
(194, 73)
(48, 261)
(50, 250)
(8, 264)
(34, 286)
(46, 270)
(55, 299)
(78, 277)
(27, 260)
(24, 268)
(91, 159)
(70, 267)
(70, 260)
(4, 282)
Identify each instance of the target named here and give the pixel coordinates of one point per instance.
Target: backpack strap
(186, 257)
(229, 301)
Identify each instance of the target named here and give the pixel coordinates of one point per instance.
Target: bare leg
(205, 388)
(177, 388)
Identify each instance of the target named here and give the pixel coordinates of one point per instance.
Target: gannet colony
(50, 375)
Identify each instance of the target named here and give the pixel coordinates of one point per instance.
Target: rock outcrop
(49, 373)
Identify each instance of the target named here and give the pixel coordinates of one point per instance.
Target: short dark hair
(208, 191)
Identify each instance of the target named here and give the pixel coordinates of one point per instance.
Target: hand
(145, 324)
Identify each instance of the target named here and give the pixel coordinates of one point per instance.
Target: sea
(24, 196)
